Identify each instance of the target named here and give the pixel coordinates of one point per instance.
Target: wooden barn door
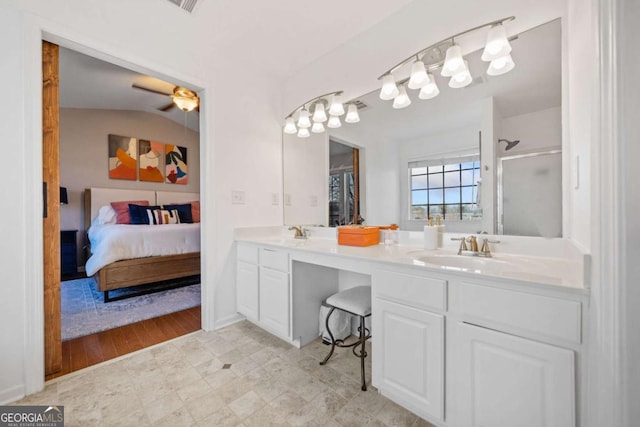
(51, 220)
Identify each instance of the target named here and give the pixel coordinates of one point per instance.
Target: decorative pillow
(163, 216)
(138, 213)
(184, 211)
(122, 210)
(195, 211)
(106, 215)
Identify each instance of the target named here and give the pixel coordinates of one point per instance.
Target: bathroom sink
(287, 241)
(467, 263)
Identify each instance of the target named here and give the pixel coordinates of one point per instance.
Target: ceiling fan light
(185, 103)
(336, 108)
(419, 76)
(303, 120)
(402, 100)
(497, 45)
(334, 122)
(303, 133)
(430, 90)
(453, 62)
(317, 127)
(290, 126)
(319, 114)
(352, 114)
(461, 79)
(389, 88)
(501, 66)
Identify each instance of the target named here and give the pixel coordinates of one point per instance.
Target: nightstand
(68, 253)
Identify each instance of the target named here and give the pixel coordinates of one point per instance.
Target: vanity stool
(356, 301)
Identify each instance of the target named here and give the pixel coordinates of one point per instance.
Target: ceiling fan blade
(135, 86)
(167, 107)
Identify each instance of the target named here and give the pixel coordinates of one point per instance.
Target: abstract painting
(150, 160)
(122, 157)
(176, 164)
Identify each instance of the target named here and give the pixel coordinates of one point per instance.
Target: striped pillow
(163, 216)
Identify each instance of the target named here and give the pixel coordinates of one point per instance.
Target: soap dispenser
(440, 226)
(430, 236)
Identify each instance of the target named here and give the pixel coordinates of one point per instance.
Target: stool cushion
(355, 300)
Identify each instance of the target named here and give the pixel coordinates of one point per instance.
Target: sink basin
(468, 263)
(286, 241)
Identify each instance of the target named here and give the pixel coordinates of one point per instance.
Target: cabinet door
(408, 357)
(504, 380)
(274, 301)
(247, 290)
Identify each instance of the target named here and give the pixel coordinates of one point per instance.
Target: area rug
(85, 313)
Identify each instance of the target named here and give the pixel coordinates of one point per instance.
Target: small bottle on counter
(430, 236)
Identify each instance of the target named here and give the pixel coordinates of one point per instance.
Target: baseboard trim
(11, 395)
(230, 320)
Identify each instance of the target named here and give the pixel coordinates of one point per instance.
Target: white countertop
(565, 273)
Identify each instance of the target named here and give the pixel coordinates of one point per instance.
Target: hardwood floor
(92, 349)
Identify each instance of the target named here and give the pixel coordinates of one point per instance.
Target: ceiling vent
(361, 105)
(188, 5)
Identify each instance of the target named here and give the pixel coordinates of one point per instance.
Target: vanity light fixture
(447, 55)
(330, 102)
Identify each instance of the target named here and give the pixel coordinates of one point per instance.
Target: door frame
(36, 30)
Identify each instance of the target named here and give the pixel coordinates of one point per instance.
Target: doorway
(344, 184)
(56, 355)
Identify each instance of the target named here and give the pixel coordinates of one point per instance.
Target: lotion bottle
(430, 236)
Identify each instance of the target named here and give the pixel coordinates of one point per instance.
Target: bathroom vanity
(460, 341)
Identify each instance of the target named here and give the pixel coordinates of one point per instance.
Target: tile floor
(182, 383)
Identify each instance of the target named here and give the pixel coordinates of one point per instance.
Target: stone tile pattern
(182, 383)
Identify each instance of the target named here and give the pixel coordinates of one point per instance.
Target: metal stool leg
(363, 353)
(333, 341)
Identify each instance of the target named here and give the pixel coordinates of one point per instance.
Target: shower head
(510, 144)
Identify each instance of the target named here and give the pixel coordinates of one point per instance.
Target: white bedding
(115, 242)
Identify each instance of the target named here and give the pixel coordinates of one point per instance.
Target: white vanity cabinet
(262, 287)
(247, 282)
(408, 351)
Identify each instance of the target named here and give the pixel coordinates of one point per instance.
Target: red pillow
(122, 210)
(195, 211)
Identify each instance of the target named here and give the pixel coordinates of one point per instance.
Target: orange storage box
(357, 235)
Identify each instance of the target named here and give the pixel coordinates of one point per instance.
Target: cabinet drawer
(274, 260)
(248, 253)
(415, 291)
(518, 312)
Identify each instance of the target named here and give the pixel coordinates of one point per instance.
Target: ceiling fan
(183, 98)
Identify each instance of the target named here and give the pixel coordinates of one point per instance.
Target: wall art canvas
(151, 160)
(176, 164)
(122, 157)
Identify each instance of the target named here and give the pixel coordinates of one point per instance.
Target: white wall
(237, 153)
(537, 131)
(83, 156)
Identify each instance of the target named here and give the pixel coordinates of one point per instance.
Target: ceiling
(533, 85)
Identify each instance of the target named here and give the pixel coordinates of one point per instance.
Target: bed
(131, 255)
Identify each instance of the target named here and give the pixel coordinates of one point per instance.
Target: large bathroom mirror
(486, 158)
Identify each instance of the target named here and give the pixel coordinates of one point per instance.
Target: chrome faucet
(300, 232)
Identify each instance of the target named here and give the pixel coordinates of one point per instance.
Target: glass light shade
(352, 114)
(336, 108)
(319, 115)
(453, 62)
(317, 127)
(402, 100)
(461, 79)
(185, 103)
(303, 133)
(501, 66)
(303, 119)
(389, 88)
(419, 76)
(430, 90)
(334, 122)
(290, 126)
(497, 45)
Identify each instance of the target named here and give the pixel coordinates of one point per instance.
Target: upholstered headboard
(172, 197)
(95, 198)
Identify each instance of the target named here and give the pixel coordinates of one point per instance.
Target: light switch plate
(313, 201)
(275, 199)
(287, 199)
(237, 197)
